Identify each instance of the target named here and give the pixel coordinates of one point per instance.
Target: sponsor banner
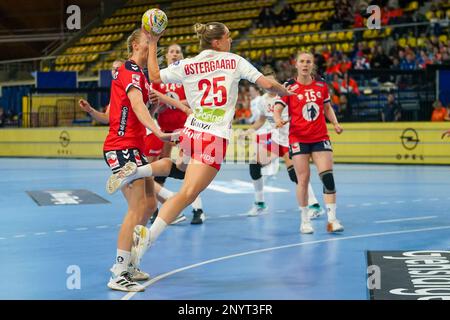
(65, 197)
(409, 275)
(395, 143)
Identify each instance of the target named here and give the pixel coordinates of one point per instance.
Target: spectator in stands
(409, 63)
(2, 117)
(361, 63)
(267, 18)
(242, 114)
(439, 112)
(423, 60)
(344, 84)
(380, 60)
(286, 15)
(392, 111)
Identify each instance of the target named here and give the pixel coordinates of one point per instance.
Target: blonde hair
(314, 70)
(208, 32)
(134, 37)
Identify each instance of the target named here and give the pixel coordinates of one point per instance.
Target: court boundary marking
(129, 295)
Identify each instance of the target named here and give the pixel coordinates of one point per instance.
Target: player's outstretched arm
(152, 60)
(102, 117)
(143, 115)
(273, 86)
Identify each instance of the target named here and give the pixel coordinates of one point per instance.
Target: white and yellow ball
(155, 21)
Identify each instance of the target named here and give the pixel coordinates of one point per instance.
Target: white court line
(2, 238)
(417, 200)
(81, 229)
(280, 211)
(366, 204)
(20, 236)
(102, 227)
(351, 205)
(384, 202)
(192, 266)
(399, 201)
(406, 219)
(60, 231)
(39, 233)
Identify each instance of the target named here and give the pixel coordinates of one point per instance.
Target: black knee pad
(292, 174)
(176, 173)
(255, 171)
(328, 182)
(160, 180)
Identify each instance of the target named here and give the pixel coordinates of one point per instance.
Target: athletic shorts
(116, 159)
(308, 148)
(204, 147)
(153, 146)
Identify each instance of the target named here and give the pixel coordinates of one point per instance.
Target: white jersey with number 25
(210, 82)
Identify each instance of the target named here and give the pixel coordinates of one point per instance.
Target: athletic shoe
(315, 211)
(198, 216)
(124, 282)
(335, 226)
(141, 242)
(180, 218)
(257, 209)
(306, 228)
(115, 181)
(137, 274)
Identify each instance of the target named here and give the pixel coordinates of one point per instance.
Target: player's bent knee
(328, 182)
(292, 174)
(176, 173)
(255, 171)
(160, 180)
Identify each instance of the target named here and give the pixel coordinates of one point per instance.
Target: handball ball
(155, 21)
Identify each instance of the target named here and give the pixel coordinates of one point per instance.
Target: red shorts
(204, 147)
(264, 138)
(152, 146)
(275, 148)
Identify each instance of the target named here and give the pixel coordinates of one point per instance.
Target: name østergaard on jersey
(209, 66)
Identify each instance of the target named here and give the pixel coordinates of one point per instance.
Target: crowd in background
(333, 64)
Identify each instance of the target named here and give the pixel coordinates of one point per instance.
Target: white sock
(165, 193)
(304, 214)
(311, 196)
(157, 228)
(259, 187)
(122, 261)
(197, 204)
(331, 211)
(141, 172)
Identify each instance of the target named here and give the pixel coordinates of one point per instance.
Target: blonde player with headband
(308, 137)
(211, 83)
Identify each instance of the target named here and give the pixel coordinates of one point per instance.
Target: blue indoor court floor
(231, 256)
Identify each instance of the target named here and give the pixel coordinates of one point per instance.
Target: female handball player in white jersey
(211, 84)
